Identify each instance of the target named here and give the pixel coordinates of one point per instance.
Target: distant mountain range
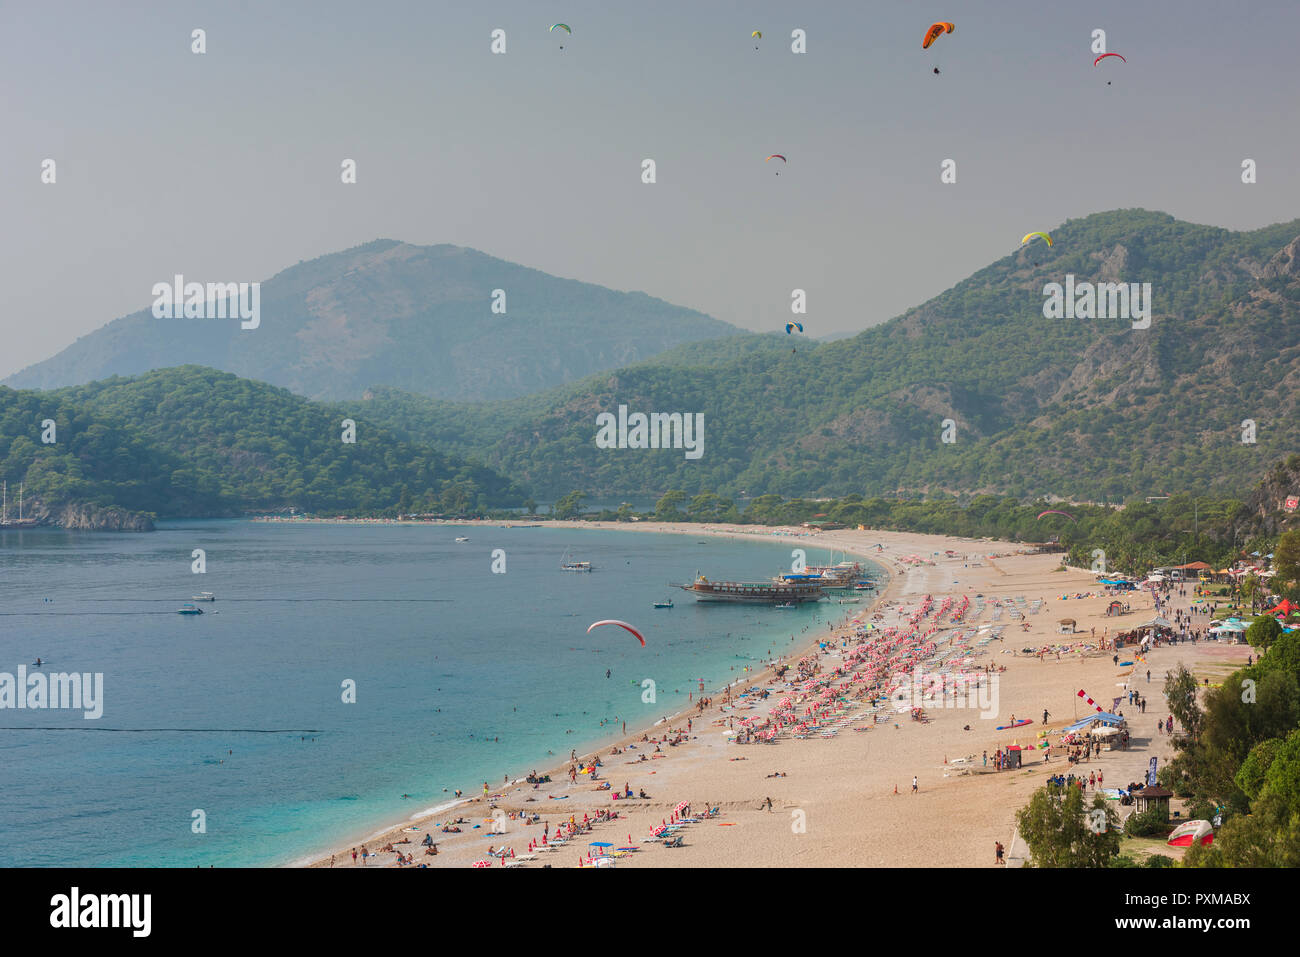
(976, 392)
(417, 318)
(1084, 409)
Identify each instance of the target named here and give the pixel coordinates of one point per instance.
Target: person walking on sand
(998, 850)
(913, 783)
(1045, 716)
(354, 857)
(1148, 676)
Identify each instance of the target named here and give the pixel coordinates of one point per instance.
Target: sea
(347, 677)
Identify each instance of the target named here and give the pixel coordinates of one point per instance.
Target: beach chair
(676, 841)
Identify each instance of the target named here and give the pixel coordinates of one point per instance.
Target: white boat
(1193, 832)
(462, 540)
(575, 566)
(849, 601)
(203, 596)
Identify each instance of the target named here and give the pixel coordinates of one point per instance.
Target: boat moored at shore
(754, 592)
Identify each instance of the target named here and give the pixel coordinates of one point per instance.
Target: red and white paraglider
(622, 624)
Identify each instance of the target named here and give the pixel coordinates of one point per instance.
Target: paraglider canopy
(793, 325)
(1029, 236)
(1052, 511)
(560, 26)
(775, 156)
(1104, 55)
(936, 30)
(757, 34)
(621, 624)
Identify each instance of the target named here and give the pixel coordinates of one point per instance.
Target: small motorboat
(1193, 832)
(462, 540)
(203, 596)
(664, 604)
(785, 604)
(849, 601)
(188, 609)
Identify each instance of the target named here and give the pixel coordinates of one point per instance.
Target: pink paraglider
(621, 624)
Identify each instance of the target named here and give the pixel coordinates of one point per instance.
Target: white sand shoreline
(781, 533)
(852, 790)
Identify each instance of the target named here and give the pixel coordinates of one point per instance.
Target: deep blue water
(480, 683)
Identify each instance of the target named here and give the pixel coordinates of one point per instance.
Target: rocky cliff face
(104, 519)
(1268, 501)
(95, 518)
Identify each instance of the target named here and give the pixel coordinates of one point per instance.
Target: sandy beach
(845, 799)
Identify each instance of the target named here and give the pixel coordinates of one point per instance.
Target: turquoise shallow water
(461, 675)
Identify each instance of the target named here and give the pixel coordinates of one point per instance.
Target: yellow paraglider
(1029, 236)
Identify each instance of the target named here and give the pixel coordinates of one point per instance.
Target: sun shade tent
(1102, 717)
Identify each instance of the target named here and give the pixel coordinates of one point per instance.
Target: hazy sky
(225, 166)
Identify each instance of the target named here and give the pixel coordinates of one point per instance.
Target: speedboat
(785, 604)
(664, 604)
(462, 540)
(204, 596)
(188, 609)
(849, 601)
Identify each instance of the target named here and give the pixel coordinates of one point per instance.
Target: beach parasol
(482, 863)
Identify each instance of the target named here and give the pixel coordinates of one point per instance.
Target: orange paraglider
(936, 30)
